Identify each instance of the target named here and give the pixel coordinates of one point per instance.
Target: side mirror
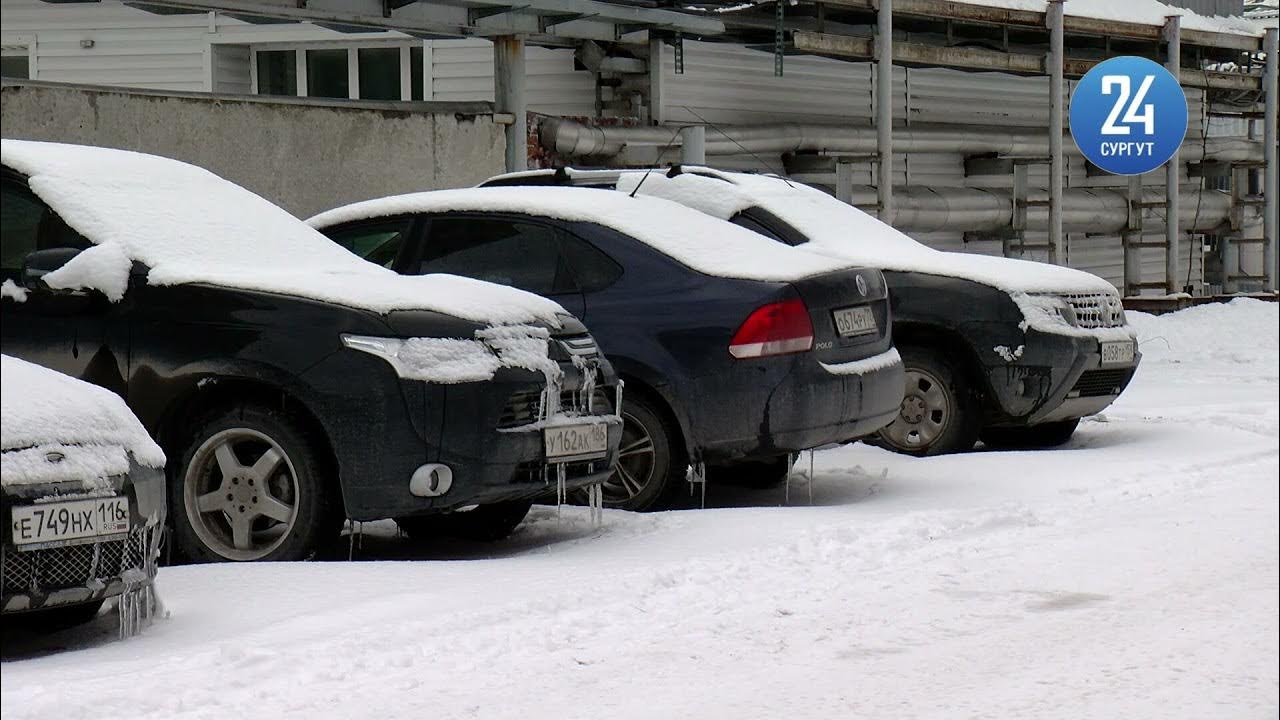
(42, 262)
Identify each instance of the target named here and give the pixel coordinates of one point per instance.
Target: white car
(83, 500)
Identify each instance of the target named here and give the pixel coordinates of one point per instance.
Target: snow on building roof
(693, 238)
(841, 230)
(90, 425)
(191, 226)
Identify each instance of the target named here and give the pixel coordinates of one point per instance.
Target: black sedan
(736, 352)
(290, 384)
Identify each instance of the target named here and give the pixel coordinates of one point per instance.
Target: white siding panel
(231, 69)
(463, 70)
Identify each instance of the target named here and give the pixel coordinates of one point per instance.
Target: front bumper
(1056, 377)
(74, 574)
(784, 405)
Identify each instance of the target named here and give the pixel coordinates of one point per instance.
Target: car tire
(939, 413)
(227, 455)
(59, 618)
(1044, 435)
(651, 462)
(760, 473)
(487, 523)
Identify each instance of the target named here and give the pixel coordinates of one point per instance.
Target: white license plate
(1117, 353)
(855, 321)
(69, 523)
(576, 441)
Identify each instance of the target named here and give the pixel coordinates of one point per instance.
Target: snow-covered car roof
(696, 240)
(89, 427)
(191, 226)
(838, 229)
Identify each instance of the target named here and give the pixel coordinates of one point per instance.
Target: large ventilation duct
(573, 139)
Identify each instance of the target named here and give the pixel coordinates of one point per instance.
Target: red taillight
(774, 329)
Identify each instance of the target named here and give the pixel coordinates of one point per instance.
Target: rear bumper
(1057, 377)
(767, 408)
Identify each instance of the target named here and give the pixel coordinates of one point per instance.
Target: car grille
(43, 571)
(1096, 383)
(1100, 310)
(523, 408)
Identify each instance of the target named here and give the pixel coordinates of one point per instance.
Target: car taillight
(774, 329)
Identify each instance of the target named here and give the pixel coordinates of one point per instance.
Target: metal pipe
(693, 145)
(1054, 19)
(1269, 187)
(1092, 210)
(884, 109)
(509, 97)
(1173, 37)
(573, 139)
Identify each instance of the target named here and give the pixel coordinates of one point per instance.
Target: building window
(16, 57)
(377, 70)
(277, 72)
(327, 74)
(416, 68)
(379, 73)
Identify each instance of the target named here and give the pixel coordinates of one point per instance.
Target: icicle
(617, 398)
(351, 539)
(699, 476)
(810, 476)
(561, 491)
(786, 490)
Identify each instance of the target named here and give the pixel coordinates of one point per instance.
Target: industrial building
(349, 100)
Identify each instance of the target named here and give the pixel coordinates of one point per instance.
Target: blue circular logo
(1128, 115)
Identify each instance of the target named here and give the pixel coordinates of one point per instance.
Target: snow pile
(693, 239)
(1241, 332)
(840, 230)
(451, 360)
(886, 359)
(191, 226)
(42, 411)
(10, 289)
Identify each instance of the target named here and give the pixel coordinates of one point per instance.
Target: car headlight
(384, 347)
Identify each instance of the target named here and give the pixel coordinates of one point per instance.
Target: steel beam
(884, 109)
(1172, 234)
(509, 97)
(1056, 165)
(1270, 191)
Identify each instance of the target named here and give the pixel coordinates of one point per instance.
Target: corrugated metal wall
(726, 85)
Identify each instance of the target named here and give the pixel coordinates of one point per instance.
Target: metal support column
(1172, 232)
(1019, 211)
(1132, 240)
(844, 180)
(508, 94)
(884, 108)
(1269, 189)
(1056, 167)
(693, 145)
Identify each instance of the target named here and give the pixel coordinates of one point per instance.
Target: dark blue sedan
(737, 352)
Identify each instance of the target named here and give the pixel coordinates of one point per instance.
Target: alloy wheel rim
(241, 494)
(637, 460)
(923, 416)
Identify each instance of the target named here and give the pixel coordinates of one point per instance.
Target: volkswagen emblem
(862, 286)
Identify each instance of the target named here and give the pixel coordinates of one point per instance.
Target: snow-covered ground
(1130, 574)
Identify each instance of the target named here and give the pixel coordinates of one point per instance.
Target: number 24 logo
(1135, 113)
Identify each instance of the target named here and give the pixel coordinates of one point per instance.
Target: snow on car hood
(841, 230)
(700, 242)
(90, 427)
(191, 226)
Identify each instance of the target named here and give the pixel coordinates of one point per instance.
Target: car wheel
(938, 414)
(755, 473)
(59, 618)
(650, 463)
(486, 523)
(251, 487)
(1044, 435)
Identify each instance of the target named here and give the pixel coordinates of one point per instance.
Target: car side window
(20, 215)
(377, 242)
(593, 269)
(499, 250)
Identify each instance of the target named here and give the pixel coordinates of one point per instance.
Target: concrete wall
(303, 155)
